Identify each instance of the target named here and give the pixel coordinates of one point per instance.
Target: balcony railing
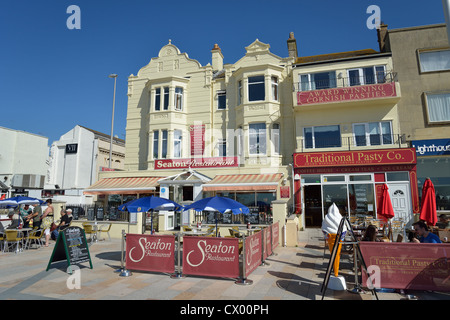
(342, 82)
(353, 143)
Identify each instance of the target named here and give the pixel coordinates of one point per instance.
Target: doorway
(313, 205)
(399, 193)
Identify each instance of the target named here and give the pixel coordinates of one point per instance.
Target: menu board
(71, 245)
(90, 213)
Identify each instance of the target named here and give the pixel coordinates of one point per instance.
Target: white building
(23, 163)
(75, 161)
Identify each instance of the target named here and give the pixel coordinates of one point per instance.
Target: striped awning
(244, 182)
(129, 185)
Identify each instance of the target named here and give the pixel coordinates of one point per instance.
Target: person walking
(47, 220)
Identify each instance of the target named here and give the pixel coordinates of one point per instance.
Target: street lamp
(112, 121)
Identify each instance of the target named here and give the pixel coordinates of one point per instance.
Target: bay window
(256, 88)
(177, 143)
(178, 98)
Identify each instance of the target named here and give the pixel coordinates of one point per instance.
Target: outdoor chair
(2, 239)
(105, 228)
(186, 229)
(88, 229)
(35, 236)
(13, 237)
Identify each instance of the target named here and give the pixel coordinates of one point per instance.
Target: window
(257, 138)
(317, 81)
(276, 137)
(166, 98)
(274, 81)
(367, 75)
(155, 144)
(178, 98)
(177, 143)
(222, 147)
(437, 60)
(322, 137)
(221, 100)
(372, 133)
(256, 90)
(164, 144)
(438, 107)
(158, 99)
(239, 92)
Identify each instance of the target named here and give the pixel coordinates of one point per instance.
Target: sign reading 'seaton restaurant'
(436, 147)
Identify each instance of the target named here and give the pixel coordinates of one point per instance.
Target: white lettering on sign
(210, 252)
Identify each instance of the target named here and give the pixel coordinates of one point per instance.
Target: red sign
(413, 266)
(253, 252)
(215, 257)
(355, 158)
(267, 242)
(150, 252)
(197, 139)
(373, 91)
(216, 162)
(284, 192)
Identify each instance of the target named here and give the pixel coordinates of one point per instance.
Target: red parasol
(428, 205)
(385, 208)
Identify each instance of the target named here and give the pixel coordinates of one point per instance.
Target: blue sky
(53, 78)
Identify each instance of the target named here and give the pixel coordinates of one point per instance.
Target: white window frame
(258, 83)
(274, 85)
(276, 138)
(260, 135)
(443, 66)
(367, 133)
(178, 98)
(177, 141)
(157, 106)
(164, 143)
(432, 114)
(313, 136)
(362, 76)
(221, 93)
(239, 102)
(156, 144)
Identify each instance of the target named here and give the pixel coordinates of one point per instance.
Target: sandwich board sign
(71, 245)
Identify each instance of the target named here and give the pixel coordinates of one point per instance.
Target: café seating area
(18, 240)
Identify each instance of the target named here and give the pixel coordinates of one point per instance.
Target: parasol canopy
(150, 203)
(19, 200)
(385, 208)
(428, 205)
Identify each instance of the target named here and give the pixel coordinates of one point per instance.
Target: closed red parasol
(428, 205)
(385, 208)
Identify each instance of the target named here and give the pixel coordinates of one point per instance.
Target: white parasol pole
(446, 5)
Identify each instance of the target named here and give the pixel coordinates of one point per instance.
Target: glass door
(335, 193)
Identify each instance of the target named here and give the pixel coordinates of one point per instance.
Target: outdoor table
(22, 230)
(95, 226)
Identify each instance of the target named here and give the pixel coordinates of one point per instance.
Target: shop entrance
(313, 205)
(400, 199)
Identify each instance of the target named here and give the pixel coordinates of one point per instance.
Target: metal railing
(342, 82)
(257, 215)
(354, 142)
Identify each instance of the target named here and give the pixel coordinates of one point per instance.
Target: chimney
(383, 38)
(217, 58)
(292, 46)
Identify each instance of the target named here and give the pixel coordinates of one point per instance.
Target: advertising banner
(215, 257)
(253, 252)
(356, 158)
(268, 242)
(372, 91)
(196, 163)
(413, 266)
(150, 252)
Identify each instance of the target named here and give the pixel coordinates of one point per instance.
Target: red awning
(129, 185)
(244, 182)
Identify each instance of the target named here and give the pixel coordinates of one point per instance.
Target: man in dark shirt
(66, 219)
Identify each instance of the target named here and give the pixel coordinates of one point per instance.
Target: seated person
(66, 219)
(371, 234)
(15, 219)
(443, 222)
(425, 236)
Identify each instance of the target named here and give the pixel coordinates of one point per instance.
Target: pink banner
(373, 91)
(253, 247)
(412, 266)
(150, 252)
(215, 257)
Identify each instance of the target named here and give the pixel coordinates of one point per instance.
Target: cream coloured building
(195, 131)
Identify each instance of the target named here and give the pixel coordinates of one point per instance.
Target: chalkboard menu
(71, 245)
(90, 213)
(100, 213)
(113, 213)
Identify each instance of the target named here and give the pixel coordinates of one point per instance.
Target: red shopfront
(353, 180)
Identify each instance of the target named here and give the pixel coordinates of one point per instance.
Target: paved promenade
(294, 273)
